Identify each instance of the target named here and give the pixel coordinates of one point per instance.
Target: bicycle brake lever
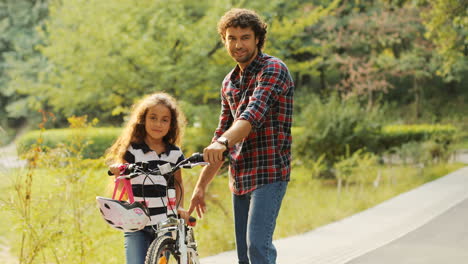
(191, 165)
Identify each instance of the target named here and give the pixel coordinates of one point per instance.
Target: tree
(364, 40)
(292, 38)
(18, 56)
(101, 57)
(367, 50)
(96, 58)
(447, 26)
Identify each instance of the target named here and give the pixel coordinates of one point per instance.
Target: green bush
(397, 135)
(202, 122)
(332, 126)
(97, 140)
(327, 132)
(419, 143)
(329, 127)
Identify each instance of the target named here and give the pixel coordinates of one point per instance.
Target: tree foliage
(95, 58)
(20, 62)
(103, 56)
(447, 26)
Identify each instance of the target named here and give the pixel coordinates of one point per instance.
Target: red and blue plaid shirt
(263, 96)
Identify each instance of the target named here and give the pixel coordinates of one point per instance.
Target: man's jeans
(255, 216)
(136, 245)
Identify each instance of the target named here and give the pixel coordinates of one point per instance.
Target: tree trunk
(417, 98)
(323, 85)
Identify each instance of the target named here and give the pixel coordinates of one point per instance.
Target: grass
(65, 226)
(60, 223)
(463, 145)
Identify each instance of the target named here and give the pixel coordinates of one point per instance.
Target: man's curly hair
(243, 18)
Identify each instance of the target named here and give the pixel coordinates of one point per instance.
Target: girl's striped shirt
(152, 188)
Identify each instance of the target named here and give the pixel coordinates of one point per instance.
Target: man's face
(241, 44)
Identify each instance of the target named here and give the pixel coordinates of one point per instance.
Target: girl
(151, 134)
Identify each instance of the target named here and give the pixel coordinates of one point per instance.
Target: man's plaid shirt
(262, 95)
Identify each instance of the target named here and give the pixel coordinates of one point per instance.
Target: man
(255, 129)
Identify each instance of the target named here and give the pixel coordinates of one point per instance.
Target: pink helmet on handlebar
(128, 217)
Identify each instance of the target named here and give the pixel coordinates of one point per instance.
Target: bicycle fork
(180, 234)
(172, 212)
(182, 247)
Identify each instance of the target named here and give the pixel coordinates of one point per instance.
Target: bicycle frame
(176, 227)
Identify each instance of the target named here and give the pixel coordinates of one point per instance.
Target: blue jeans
(136, 245)
(255, 216)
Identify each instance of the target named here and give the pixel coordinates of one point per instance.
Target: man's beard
(245, 58)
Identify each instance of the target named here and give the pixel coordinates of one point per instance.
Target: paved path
(5, 255)
(442, 240)
(406, 220)
(9, 158)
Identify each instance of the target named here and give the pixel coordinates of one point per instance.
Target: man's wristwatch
(224, 141)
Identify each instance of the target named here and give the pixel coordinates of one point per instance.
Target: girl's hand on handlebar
(115, 169)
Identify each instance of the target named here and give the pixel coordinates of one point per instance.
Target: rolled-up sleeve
(270, 84)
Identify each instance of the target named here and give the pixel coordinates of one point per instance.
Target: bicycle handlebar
(194, 160)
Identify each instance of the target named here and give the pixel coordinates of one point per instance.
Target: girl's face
(157, 122)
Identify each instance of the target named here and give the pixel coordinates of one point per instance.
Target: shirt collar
(253, 67)
(145, 148)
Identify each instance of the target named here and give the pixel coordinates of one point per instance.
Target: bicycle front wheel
(162, 251)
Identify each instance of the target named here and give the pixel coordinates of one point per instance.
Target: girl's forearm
(180, 190)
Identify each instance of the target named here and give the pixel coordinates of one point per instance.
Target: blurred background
(95, 58)
(380, 107)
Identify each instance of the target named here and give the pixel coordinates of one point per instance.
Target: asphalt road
(442, 240)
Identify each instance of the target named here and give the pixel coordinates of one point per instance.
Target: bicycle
(175, 240)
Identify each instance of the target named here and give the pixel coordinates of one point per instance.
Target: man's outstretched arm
(198, 197)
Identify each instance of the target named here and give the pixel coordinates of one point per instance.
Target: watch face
(223, 141)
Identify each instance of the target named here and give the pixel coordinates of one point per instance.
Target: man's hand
(198, 202)
(214, 153)
(183, 214)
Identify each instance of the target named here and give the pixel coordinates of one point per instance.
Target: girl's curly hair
(243, 18)
(134, 131)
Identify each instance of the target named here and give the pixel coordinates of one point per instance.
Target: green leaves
(18, 57)
(292, 39)
(96, 57)
(335, 127)
(105, 56)
(447, 26)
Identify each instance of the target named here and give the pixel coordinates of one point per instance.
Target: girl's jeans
(255, 216)
(136, 245)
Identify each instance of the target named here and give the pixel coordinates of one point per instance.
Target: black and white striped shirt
(152, 188)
